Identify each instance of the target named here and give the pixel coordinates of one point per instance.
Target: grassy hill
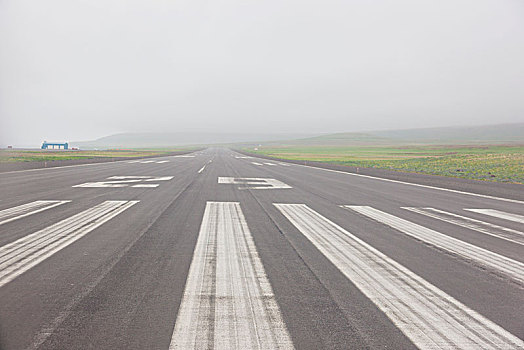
(492, 153)
(177, 139)
(487, 134)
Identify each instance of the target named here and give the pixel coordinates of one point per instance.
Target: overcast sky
(77, 70)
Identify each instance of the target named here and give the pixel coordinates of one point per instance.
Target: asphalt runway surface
(219, 250)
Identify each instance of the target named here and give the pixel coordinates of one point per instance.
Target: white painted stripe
(107, 184)
(272, 164)
(505, 233)
(128, 177)
(202, 169)
(8, 215)
(228, 302)
(162, 161)
(429, 317)
(27, 252)
(124, 181)
(183, 156)
(506, 266)
(284, 164)
(160, 178)
(413, 184)
(254, 183)
(255, 163)
(500, 214)
(148, 161)
(146, 185)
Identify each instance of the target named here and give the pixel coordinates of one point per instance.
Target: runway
(220, 250)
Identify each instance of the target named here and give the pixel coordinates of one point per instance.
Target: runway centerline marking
(428, 316)
(27, 252)
(472, 224)
(126, 181)
(496, 262)
(499, 214)
(254, 183)
(255, 163)
(228, 302)
(18, 212)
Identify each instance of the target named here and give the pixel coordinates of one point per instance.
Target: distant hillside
(496, 134)
(165, 140)
(346, 138)
(470, 134)
(502, 133)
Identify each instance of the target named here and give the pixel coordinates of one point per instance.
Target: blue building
(55, 145)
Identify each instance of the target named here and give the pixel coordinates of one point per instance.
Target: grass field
(499, 163)
(10, 156)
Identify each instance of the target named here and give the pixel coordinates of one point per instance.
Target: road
(219, 250)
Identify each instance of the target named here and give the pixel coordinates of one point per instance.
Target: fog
(79, 70)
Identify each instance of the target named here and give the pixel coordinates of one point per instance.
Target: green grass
(499, 163)
(11, 156)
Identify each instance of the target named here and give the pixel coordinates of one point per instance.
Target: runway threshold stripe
(228, 302)
(501, 232)
(429, 317)
(499, 214)
(11, 214)
(498, 263)
(27, 252)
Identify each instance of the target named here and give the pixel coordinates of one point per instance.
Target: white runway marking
(11, 214)
(272, 164)
(242, 157)
(149, 161)
(27, 252)
(499, 214)
(508, 267)
(284, 164)
(429, 317)
(202, 169)
(473, 224)
(253, 183)
(228, 302)
(184, 156)
(126, 181)
(255, 163)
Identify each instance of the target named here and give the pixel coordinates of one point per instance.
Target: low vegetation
(500, 163)
(9, 155)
